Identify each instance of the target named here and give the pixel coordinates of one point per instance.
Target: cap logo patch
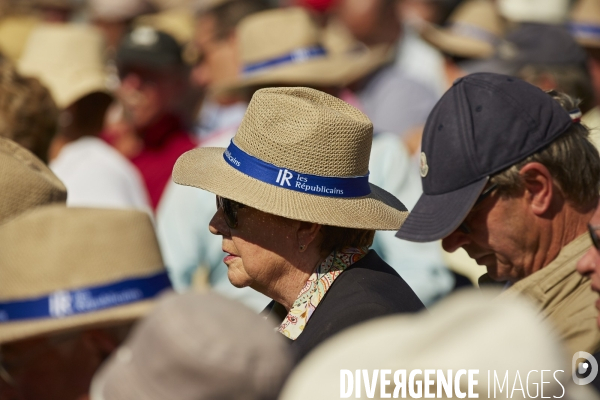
(424, 169)
(144, 36)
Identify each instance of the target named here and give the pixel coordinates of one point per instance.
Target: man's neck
(567, 226)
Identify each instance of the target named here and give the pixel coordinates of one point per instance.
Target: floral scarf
(316, 287)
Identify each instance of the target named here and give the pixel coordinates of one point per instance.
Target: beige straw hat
(25, 181)
(301, 154)
(474, 30)
(585, 23)
(68, 59)
(539, 11)
(285, 46)
(72, 268)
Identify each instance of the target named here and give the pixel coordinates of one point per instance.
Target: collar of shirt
(316, 287)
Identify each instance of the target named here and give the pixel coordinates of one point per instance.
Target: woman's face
(259, 249)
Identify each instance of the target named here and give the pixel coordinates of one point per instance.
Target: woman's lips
(229, 257)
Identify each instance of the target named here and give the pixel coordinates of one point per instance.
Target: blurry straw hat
(542, 11)
(68, 59)
(285, 46)
(298, 153)
(117, 10)
(585, 23)
(474, 30)
(71, 268)
(468, 330)
(14, 32)
(196, 346)
(178, 23)
(25, 181)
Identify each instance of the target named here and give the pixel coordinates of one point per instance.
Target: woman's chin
(237, 279)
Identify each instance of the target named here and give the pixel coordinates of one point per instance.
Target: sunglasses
(464, 228)
(230, 210)
(594, 236)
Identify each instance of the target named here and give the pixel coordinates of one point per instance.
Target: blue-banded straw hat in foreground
(64, 269)
(301, 154)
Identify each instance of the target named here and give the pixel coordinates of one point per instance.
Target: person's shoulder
(372, 281)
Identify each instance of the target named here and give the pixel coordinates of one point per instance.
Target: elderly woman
(297, 213)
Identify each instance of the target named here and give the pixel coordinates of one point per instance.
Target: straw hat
(301, 154)
(86, 267)
(197, 346)
(14, 32)
(68, 59)
(285, 46)
(469, 330)
(585, 23)
(540, 11)
(25, 181)
(474, 30)
(117, 10)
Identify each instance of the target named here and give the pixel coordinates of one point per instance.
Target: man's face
(501, 234)
(220, 61)
(148, 94)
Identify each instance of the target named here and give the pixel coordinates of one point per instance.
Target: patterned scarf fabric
(315, 288)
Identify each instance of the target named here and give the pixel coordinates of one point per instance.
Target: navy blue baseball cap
(482, 125)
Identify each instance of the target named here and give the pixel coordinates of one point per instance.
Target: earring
(301, 247)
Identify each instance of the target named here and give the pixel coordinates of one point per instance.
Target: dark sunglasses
(230, 210)
(594, 236)
(464, 228)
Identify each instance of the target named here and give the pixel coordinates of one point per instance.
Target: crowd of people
(279, 199)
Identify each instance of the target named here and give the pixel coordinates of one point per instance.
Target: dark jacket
(368, 289)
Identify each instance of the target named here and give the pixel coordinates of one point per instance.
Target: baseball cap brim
(436, 216)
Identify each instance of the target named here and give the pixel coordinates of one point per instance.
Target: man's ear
(539, 187)
(307, 233)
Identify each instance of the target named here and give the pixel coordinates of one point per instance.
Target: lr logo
(284, 177)
(588, 368)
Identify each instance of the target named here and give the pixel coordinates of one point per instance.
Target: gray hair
(572, 159)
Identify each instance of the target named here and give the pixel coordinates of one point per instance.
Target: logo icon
(284, 176)
(588, 368)
(60, 304)
(424, 167)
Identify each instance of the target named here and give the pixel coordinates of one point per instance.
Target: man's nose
(455, 240)
(588, 264)
(217, 225)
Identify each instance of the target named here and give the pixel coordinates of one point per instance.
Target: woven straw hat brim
(205, 168)
(20, 330)
(455, 44)
(336, 70)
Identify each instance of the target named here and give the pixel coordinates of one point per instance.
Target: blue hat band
(340, 187)
(296, 56)
(585, 31)
(81, 301)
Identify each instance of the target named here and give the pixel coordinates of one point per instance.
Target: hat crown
(480, 14)
(586, 12)
(307, 131)
(68, 59)
(25, 182)
(57, 248)
(483, 124)
(274, 33)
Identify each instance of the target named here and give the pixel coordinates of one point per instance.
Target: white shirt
(96, 175)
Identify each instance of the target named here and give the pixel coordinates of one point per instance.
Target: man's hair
(28, 114)
(573, 80)
(572, 160)
(336, 238)
(229, 14)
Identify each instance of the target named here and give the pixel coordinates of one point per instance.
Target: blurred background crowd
(110, 93)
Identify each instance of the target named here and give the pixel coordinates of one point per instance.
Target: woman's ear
(307, 234)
